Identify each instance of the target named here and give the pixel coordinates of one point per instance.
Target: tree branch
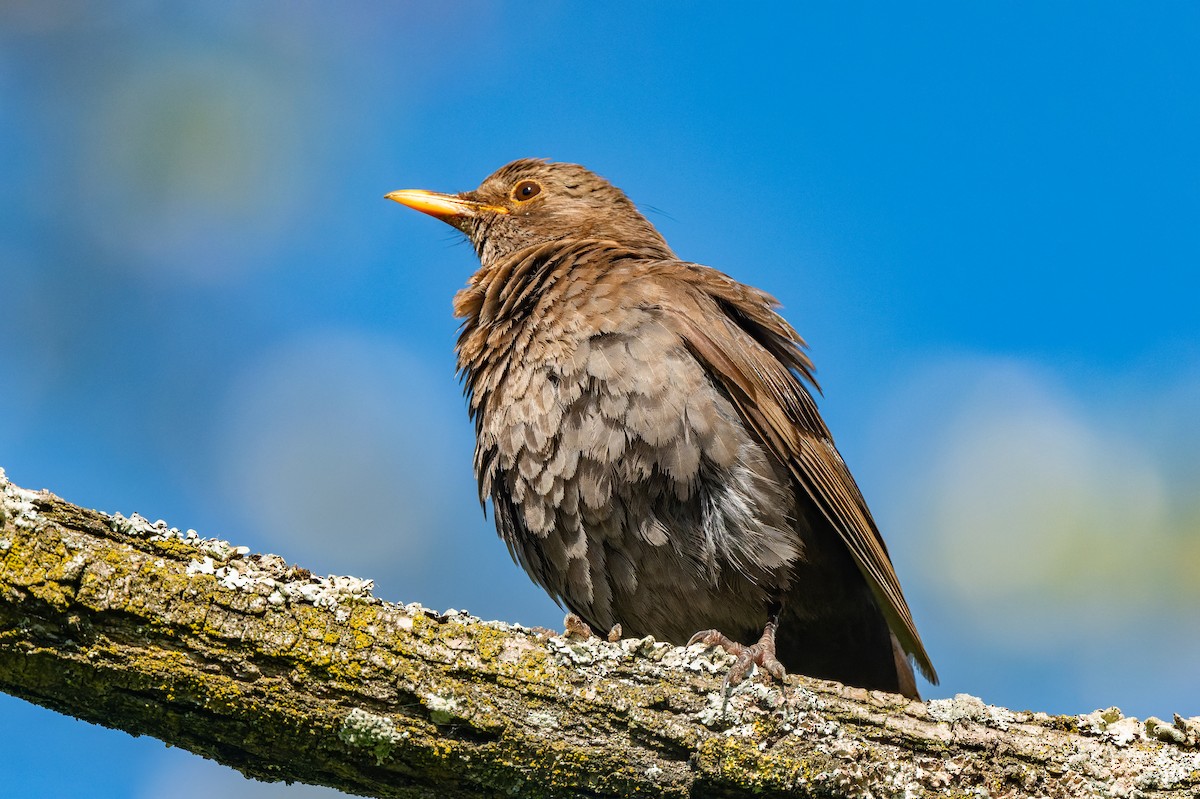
(284, 676)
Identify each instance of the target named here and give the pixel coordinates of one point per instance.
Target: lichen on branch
(284, 675)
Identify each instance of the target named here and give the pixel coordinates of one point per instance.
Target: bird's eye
(526, 190)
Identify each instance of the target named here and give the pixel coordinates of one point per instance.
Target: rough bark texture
(284, 676)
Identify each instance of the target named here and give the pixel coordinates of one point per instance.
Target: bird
(647, 435)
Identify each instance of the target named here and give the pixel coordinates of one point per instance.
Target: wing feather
(760, 360)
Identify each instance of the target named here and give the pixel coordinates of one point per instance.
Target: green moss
(738, 761)
(531, 668)
(362, 624)
(54, 594)
(178, 549)
(489, 641)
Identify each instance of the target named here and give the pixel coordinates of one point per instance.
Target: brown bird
(646, 433)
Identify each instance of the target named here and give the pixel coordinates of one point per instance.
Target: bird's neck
(502, 303)
(507, 289)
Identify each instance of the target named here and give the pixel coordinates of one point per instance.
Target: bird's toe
(761, 654)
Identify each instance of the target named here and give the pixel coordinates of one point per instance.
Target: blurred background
(983, 218)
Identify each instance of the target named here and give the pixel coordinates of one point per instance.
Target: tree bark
(284, 676)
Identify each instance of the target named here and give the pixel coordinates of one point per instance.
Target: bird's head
(531, 202)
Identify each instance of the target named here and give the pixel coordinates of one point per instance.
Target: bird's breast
(621, 472)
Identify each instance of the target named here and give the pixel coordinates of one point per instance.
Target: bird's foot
(576, 627)
(761, 654)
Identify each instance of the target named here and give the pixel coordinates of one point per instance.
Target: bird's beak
(446, 207)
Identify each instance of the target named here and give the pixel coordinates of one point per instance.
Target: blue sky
(983, 218)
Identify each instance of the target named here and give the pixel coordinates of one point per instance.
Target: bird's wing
(760, 361)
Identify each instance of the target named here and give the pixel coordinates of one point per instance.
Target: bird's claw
(575, 627)
(761, 654)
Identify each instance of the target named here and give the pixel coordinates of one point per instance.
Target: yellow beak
(445, 207)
